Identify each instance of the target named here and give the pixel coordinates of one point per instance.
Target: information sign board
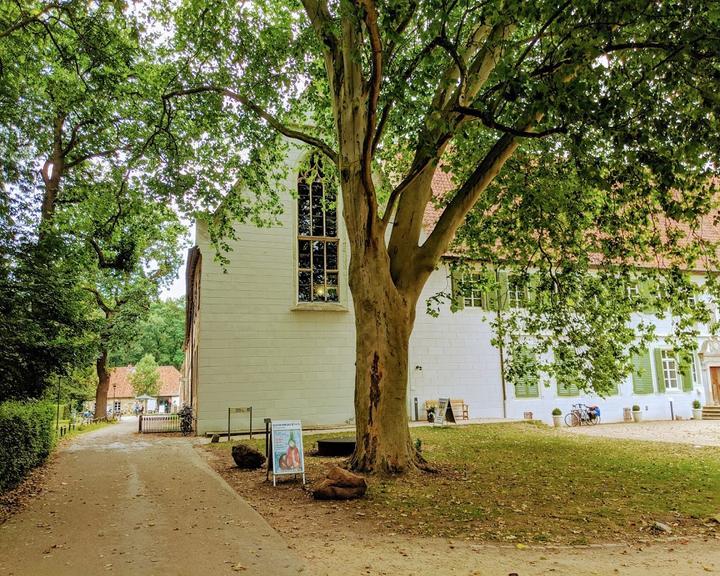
(287, 448)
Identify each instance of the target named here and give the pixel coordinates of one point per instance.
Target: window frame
(317, 298)
(517, 294)
(671, 371)
(473, 297)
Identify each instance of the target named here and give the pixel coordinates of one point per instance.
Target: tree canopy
(79, 115)
(145, 377)
(160, 333)
(582, 140)
(580, 136)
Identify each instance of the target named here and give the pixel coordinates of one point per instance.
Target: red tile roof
(708, 227)
(120, 379)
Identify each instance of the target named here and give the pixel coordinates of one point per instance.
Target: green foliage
(557, 412)
(582, 141)
(696, 404)
(161, 333)
(79, 99)
(636, 408)
(44, 324)
(145, 378)
(77, 386)
(26, 439)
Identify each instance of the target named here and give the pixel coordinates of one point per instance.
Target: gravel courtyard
(703, 433)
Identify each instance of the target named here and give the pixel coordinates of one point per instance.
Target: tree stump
(246, 457)
(340, 485)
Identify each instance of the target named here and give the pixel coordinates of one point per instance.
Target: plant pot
(637, 416)
(697, 413)
(557, 420)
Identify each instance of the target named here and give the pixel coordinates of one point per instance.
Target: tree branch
(99, 299)
(376, 76)
(31, 19)
(90, 155)
(488, 121)
(75, 135)
(271, 120)
(404, 77)
(465, 199)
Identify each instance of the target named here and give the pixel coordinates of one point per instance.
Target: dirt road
(119, 503)
(703, 433)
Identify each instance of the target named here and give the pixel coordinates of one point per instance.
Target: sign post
(239, 411)
(287, 449)
(442, 410)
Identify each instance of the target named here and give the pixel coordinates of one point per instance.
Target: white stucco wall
(258, 348)
(255, 348)
(451, 355)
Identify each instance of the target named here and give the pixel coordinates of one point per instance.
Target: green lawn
(526, 482)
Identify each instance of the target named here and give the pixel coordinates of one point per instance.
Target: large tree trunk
(101, 393)
(383, 322)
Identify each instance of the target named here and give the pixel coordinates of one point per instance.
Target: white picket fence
(159, 423)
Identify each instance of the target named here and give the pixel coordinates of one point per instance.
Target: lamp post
(114, 386)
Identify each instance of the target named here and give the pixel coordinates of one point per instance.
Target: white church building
(275, 330)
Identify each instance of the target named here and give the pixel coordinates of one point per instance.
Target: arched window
(318, 242)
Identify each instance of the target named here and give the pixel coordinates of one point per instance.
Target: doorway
(715, 384)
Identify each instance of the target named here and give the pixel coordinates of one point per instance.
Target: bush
(26, 439)
(557, 412)
(696, 404)
(636, 408)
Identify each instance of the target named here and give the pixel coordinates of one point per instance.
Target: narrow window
(670, 370)
(318, 243)
(693, 371)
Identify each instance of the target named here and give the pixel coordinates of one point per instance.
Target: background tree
(43, 314)
(145, 378)
(621, 91)
(76, 387)
(132, 250)
(161, 333)
(78, 99)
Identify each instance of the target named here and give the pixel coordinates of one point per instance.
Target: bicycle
(186, 420)
(582, 414)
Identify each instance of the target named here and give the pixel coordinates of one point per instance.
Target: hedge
(26, 439)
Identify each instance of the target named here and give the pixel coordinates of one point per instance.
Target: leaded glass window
(318, 242)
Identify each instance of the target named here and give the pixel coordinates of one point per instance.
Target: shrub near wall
(26, 439)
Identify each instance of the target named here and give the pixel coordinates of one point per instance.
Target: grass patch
(83, 428)
(526, 482)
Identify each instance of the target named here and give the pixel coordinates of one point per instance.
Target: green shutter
(527, 386)
(503, 290)
(458, 295)
(567, 390)
(533, 289)
(684, 365)
(648, 290)
(490, 291)
(659, 371)
(642, 374)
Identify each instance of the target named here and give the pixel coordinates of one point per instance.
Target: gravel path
(119, 503)
(703, 433)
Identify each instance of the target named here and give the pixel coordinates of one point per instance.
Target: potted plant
(697, 410)
(637, 415)
(431, 409)
(557, 417)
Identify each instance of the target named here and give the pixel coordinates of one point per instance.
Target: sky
(177, 288)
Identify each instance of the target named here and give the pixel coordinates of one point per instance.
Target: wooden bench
(460, 409)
